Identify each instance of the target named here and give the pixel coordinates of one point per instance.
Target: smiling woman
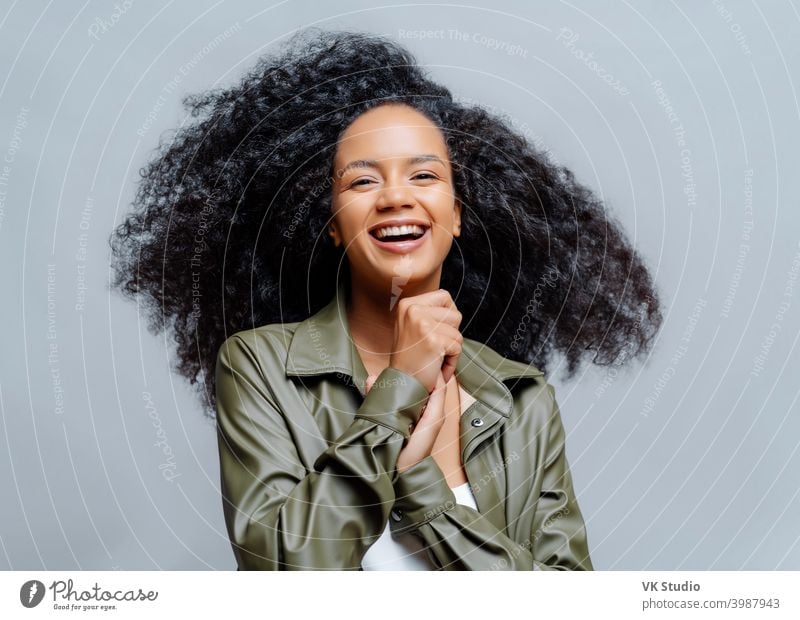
(395, 209)
(358, 312)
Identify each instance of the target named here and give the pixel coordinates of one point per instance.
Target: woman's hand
(427, 341)
(421, 441)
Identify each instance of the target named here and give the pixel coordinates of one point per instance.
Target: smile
(400, 240)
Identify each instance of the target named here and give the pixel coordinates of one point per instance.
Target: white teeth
(393, 231)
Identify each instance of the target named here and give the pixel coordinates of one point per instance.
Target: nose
(395, 195)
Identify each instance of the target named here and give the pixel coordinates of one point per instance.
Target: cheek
(349, 227)
(446, 241)
(352, 215)
(340, 215)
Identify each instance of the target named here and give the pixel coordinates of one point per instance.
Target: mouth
(398, 234)
(400, 239)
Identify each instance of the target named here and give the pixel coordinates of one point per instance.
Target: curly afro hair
(227, 230)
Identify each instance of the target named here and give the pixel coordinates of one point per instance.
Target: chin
(395, 280)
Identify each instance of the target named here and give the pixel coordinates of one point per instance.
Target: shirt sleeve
(559, 533)
(458, 537)
(279, 515)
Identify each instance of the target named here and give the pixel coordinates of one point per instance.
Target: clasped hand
(427, 344)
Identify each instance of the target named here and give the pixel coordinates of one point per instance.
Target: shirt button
(477, 422)
(397, 515)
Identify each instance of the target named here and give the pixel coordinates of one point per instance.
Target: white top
(406, 552)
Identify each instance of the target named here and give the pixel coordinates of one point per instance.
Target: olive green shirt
(308, 461)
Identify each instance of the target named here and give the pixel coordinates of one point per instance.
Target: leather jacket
(308, 462)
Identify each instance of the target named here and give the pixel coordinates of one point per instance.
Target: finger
(448, 369)
(448, 315)
(450, 361)
(433, 414)
(439, 297)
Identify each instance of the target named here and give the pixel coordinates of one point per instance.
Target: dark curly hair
(228, 226)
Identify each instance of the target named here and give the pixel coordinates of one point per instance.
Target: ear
(334, 234)
(457, 218)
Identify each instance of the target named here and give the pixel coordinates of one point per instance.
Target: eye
(425, 176)
(360, 182)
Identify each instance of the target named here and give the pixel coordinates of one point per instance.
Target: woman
(360, 271)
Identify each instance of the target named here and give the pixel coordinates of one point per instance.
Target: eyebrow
(373, 163)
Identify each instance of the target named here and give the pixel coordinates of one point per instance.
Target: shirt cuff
(395, 400)
(421, 494)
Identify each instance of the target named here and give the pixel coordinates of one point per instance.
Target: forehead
(390, 131)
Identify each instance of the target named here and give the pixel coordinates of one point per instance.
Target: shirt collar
(321, 344)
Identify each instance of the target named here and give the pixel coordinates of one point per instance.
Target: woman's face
(394, 207)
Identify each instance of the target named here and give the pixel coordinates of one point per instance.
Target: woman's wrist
(421, 494)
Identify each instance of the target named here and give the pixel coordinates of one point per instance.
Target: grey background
(688, 461)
